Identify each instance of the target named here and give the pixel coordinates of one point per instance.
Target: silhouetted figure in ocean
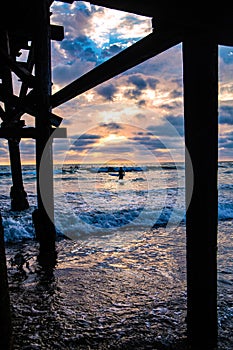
(121, 173)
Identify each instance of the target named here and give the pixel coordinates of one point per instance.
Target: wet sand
(105, 295)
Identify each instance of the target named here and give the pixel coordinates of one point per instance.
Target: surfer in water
(121, 173)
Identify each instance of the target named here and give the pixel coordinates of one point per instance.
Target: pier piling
(200, 61)
(45, 227)
(18, 195)
(5, 309)
(26, 25)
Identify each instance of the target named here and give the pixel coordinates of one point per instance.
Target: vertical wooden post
(18, 195)
(200, 69)
(5, 311)
(43, 217)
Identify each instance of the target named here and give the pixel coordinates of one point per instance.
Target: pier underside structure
(25, 25)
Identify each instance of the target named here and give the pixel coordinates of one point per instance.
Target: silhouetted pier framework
(26, 25)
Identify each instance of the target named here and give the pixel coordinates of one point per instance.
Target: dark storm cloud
(168, 106)
(139, 85)
(132, 93)
(152, 82)
(77, 43)
(85, 141)
(88, 137)
(138, 82)
(176, 93)
(226, 115)
(226, 144)
(110, 51)
(177, 122)
(141, 103)
(107, 91)
(81, 47)
(111, 126)
(164, 129)
(148, 140)
(226, 140)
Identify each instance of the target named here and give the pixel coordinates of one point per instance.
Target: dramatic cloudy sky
(136, 116)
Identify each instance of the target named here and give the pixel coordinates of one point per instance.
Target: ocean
(123, 266)
(92, 202)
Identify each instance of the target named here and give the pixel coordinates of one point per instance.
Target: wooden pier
(26, 25)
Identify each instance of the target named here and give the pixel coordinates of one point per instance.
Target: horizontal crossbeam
(29, 132)
(18, 69)
(25, 106)
(67, 1)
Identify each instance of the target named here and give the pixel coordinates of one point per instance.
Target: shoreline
(122, 296)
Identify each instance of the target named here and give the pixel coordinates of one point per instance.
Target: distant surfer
(121, 173)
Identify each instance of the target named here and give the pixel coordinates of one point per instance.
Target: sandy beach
(106, 294)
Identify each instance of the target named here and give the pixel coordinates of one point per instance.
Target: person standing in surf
(121, 173)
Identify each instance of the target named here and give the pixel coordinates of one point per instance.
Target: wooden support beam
(5, 308)
(139, 52)
(200, 66)
(2, 113)
(24, 105)
(224, 36)
(30, 133)
(18, 69)
(44, 216)
(56, 32)
(18, 195)
(66, 1)
(30, 64)
(25, 33)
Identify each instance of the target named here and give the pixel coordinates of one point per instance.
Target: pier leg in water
(18, 194)
(201, 138)
(45, 234)
(5, 310)
(44, 216)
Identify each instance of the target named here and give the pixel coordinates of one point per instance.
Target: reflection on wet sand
(106, 294)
